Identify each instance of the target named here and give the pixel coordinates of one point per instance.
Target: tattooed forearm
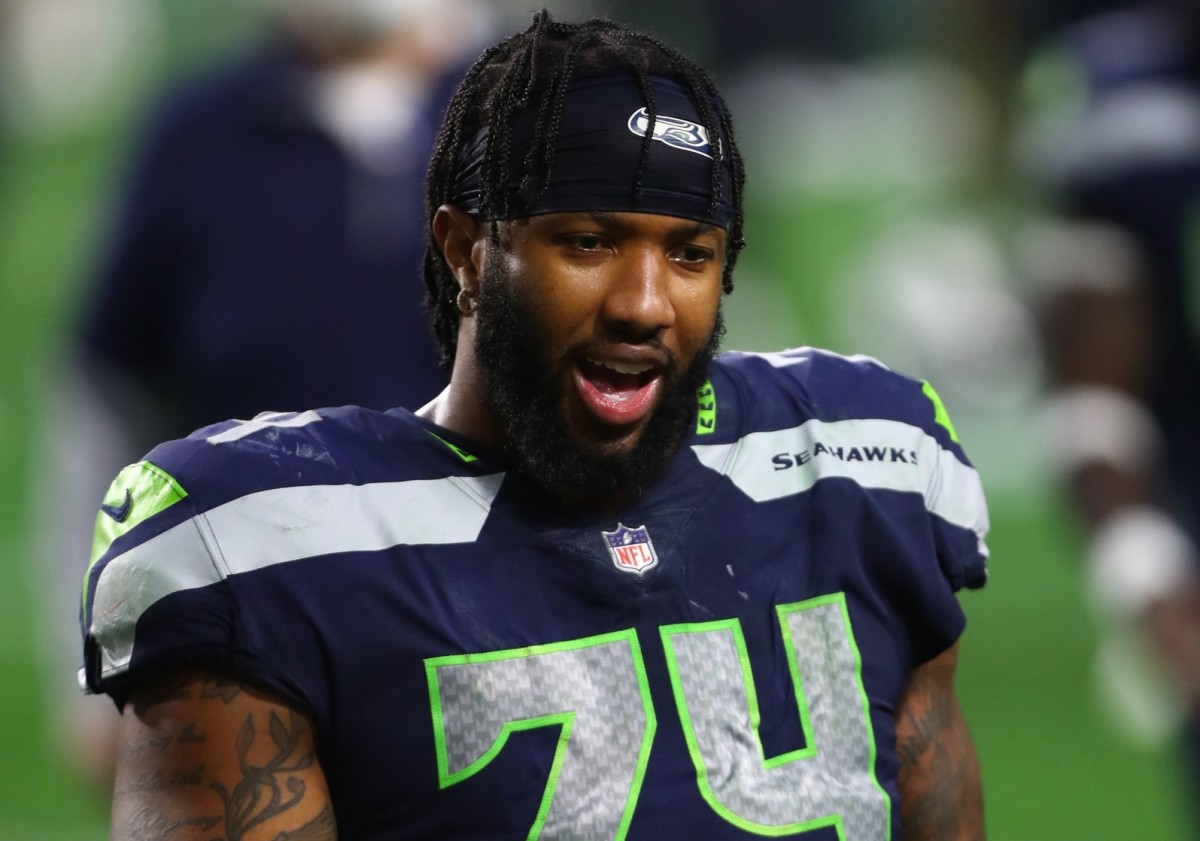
(320, 828)
(938, 778)
(147, 824)
(219, 687)
(926, 773)
(155, 780)
(259, 795)
(190, 734)
(923, 727)
(211, 760)
(160, 743)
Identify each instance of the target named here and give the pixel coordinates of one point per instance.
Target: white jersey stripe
(263, 421)
(278, 526)
(875, 453)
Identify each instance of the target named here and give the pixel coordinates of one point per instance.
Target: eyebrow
(686, 228)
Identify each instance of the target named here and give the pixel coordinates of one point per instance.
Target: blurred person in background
(272, 211)
(1120, 285)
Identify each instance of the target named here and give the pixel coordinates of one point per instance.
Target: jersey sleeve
(875, 454)
(158, 594)
(956, 501)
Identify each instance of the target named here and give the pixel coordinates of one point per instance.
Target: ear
(457, 234)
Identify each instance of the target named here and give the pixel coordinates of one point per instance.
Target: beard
(527, 399)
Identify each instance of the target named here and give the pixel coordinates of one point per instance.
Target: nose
(638, 303)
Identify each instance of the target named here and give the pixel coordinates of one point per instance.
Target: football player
(608, 584)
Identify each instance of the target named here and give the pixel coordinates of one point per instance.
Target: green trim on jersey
(139, 492)
(458, 451)
(706, 409)
(940, 415)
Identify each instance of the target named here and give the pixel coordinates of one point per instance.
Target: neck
(461, 407)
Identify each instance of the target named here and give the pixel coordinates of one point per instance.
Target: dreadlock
(542, 61)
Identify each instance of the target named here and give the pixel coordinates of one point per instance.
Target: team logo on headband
(673, 131)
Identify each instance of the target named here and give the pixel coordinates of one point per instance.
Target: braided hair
(534, 69)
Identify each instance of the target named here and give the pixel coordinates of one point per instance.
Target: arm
(202, 758)
(941, 796)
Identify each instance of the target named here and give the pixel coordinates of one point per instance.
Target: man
(565, 599)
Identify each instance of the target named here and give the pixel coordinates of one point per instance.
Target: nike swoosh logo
(120, 513)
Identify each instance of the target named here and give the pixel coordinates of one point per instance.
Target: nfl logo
(631, 549)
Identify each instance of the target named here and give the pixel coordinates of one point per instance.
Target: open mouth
(616, 392)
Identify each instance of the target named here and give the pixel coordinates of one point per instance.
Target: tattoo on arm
(219, 687)
(148, 824)
(176, 784)
(924, 755)
(320, 828)
(259, 795)
(939, 774)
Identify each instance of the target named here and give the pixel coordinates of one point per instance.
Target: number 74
(595, 689)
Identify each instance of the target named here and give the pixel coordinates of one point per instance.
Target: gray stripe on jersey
(278, 526)
(875, 453)
(803, 356)
(263, 421)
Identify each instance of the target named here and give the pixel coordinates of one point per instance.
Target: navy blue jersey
(721, 660)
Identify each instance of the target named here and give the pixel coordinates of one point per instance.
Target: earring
(465, 302)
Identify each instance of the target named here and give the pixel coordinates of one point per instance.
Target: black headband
(598, 149)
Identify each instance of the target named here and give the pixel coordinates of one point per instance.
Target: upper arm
(940, 789)
(201, 757)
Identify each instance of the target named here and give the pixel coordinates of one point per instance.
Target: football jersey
(721, 660)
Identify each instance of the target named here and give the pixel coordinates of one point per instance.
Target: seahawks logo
(673, 131)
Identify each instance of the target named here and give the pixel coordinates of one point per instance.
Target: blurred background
(914, 194)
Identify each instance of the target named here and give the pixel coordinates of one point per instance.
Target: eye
(585, 242)
(692, 255)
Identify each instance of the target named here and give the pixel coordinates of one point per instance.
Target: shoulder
(808, 367)
(273, 451)
(806, 419)
(783, 389)
(180, 526)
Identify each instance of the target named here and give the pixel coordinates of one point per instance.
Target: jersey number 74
(595, 689)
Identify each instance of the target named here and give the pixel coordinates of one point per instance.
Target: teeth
(622, 367)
